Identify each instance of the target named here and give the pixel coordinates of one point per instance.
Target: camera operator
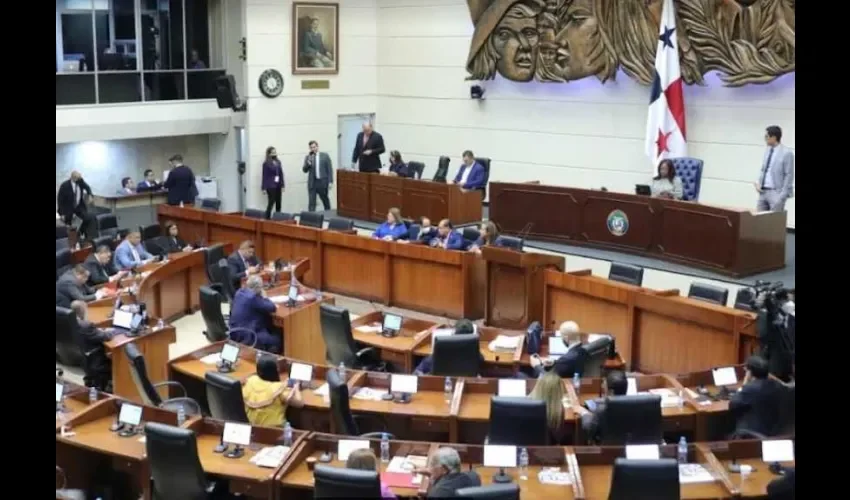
(776, 327)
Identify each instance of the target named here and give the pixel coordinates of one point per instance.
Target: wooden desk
(301, 324)
(118, 201)
(734, 242)
(399, 349)
(495, 363)
(75, 401)
(153, 344)
(367, 196)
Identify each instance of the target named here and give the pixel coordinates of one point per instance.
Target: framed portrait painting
(315, 38)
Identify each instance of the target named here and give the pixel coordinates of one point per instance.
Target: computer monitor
(122, 319)
(642, 190)
(392, 323)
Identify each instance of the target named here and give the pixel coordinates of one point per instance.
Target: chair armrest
(191, 406)
(366, 350)
(377, 435)
(748, 434)
(245, 330)
(170, 383)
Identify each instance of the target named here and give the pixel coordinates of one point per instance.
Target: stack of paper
(322, 390)
(369, 329)
(694, 473)
(369, 394)
(504, 343)
(554, 475)
(211, 359)
(270, 456)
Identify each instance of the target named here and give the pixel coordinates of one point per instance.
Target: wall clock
(271, 83)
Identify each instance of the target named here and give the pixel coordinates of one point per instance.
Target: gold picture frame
(315, 38)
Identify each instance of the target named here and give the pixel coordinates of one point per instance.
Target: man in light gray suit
(72, 286)
(776, 181)
(320, 176)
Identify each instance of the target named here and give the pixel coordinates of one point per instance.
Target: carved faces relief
(580, 40)
(515, 41)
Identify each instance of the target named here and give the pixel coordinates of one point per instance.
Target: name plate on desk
(315, 84)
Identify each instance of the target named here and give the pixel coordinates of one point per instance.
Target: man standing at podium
(368, 148)
(775, 184)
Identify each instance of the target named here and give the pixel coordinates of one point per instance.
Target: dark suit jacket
(448, 484)
(172, 245)
(99, 273)
(567, 365)
(756, 406)
(325, 164)
(237, 267)
(371, 163)
(252, 311)
(181, 185)
(146, 187)
(402, 170)
(68, 289)
(782, 488)
(590, 422)
(65, 202)
(93, 339)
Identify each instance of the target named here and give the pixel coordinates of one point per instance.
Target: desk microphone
(221, 447)
(522, 235)
(501, 477)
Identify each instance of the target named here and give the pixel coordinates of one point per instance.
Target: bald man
(71, 200)
(368, 148)
(570, 363)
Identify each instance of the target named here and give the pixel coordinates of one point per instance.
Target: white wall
(297, 116)
(581, 134)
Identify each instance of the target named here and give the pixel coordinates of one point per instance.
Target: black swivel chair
(148, 390)
(62, 244)
(485, 162)
(228, 283)
(709, 293)
(224, 397)
(626, 273)
(631, 420)
(156, 246)
(344, 420)
(744, 299)
(214, 320)
(311, 219)
(490, 492)
(457, 356)
(417, 167)
(213, 204)
(598, 352)
(339, 224)
(254, 213)
(104, 240)
(107, 225)
(512, 242)
(283, 216)
(61, 232)
(69, 349)
(518, 422)
(63, 262)
(151, 231)
(442, 169)
(213, 254)
(175, 466)
(340, 345)
(338, 482)
(470, 236)
(645, 480)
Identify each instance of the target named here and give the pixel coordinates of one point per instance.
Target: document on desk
(270, 456)
(322, 390)
(694, 473)
(554, 475)
(280, 299)
(369, 329)
(369, 394)
(211, 359)
(505, 343)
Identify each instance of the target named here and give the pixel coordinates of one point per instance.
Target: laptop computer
(126, 321)
(391, 325)
(642, 190)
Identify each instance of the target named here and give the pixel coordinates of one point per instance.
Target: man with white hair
(570, 363)
(444, 467)
(368, 148)
(252, 310)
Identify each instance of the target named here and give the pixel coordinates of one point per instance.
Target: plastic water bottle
(523, 464)
(181, 416)
(181, 204)
(681, 403)
(682, 450)
(160, 324)
(93, 395)
(576, 381)
(287, 434)
(385, 448)
(448, 388)
(341, 371)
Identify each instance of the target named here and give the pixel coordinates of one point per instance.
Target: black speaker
(225, 92)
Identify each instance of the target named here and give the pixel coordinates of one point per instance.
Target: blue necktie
(766, 166)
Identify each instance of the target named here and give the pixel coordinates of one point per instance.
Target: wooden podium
(514, 283)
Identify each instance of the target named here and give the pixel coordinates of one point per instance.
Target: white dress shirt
(465, 174)
(768, 179)
(317, 160)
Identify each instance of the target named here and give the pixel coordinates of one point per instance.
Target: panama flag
(665, 125)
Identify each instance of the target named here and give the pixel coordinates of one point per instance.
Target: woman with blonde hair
(365, 459)
(550, 389)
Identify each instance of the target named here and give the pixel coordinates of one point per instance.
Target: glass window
(74, 88)
(75, 52)
(165, 85)
(162, 34)
(116, 37)
(119, 86)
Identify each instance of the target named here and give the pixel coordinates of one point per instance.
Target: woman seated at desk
(550, 389)
(266, 397)
(489, 237)
(173, 243)
(398, 166)
(666, 184)
(365, 459)
(393, 228)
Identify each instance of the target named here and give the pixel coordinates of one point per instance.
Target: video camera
(776, 325)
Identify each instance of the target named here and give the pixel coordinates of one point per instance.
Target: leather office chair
(107, 225)
(151, 231)
(156, 246)
(311, 219)
(243, 336)
(213, 254)
(708, 293)
(175, 466)
(470, 236)
(213, 204)
(104, 240)
(631, 420)
(344, 420)
(224, 397)
(340, 345)
(63, 262)
(690, 171)
(418, 167)
(598, 352)
(69, 349)
(147, 389)
(340, 224)
(254, 213)
(518, 422)
(626, 273)
(283, 216)
(339, 482)
(512, 242)
(214, 320)
(785, 424)
(61, 231)
(229, 284)
(413, 232)
(645, 480)
(457, 356)
(744, 299)
(442, 169)
(485, 162)
(490, 492)
(62, 244)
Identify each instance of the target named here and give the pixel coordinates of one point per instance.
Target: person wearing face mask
(273, 183)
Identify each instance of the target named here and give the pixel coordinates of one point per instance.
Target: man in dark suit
(72, 286)
(568, 364)
(149, 184)
(252, 310)
(100, 267)
(784, 487)
(756, 405)
(368, 148)
(99, 365)
(320, 176)
(243, 262)
(71, 200)
(180, 183)
(614, 384)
